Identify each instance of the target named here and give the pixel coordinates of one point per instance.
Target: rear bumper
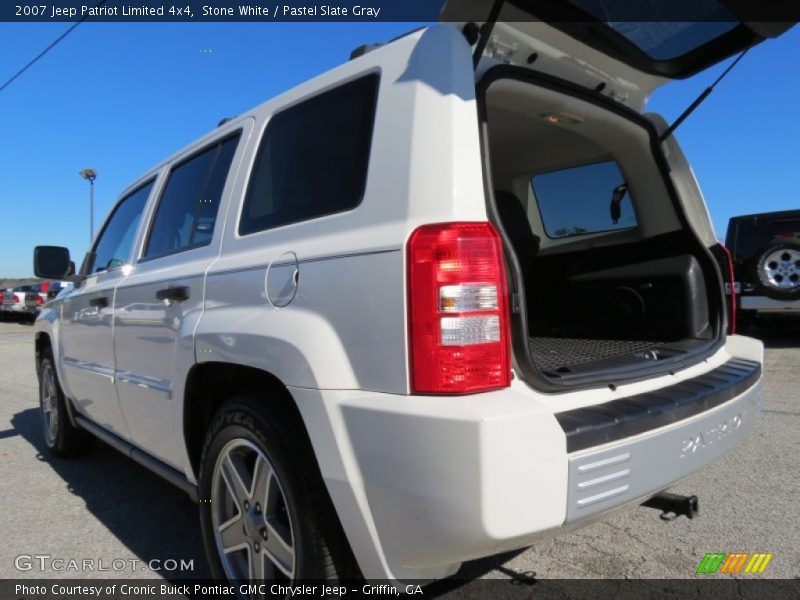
(769, 305)
(422, 484)
(17, 308)
(597, 425)
(605, 477)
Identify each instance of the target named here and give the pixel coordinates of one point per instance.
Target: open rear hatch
(625, 49)
(607, 286)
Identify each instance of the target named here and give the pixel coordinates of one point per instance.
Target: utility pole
(91, 175)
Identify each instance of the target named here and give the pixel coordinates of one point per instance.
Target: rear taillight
(15, 298)
(732, 285)
(457, 308)
(39, 300)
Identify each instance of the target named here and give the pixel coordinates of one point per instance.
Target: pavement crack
(626, 530)
(781, 412)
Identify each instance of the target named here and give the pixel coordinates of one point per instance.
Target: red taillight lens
(458, 315)
(732, 283)
(15, 298)
(39, 300)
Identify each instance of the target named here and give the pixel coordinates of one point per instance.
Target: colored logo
(734, 562)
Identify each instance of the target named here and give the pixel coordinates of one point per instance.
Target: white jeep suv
(453, 294)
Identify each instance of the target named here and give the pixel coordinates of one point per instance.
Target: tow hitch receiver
(673, 506)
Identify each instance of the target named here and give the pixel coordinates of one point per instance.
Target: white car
(20, 303)
(411, 313)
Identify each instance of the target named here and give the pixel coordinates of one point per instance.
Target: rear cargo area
(554, 354)
(611, 282)
(615, 307)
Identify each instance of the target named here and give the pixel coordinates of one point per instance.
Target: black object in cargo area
(661, 299)
(602, 423)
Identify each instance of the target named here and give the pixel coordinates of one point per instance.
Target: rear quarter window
(313, 158)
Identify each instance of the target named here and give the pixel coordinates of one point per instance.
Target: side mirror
(53, 262)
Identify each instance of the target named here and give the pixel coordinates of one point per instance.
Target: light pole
(91, 175)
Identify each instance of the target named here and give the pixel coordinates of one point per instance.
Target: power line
(50, 47)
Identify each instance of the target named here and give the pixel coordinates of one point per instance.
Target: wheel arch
(41, 343)
(210, 384)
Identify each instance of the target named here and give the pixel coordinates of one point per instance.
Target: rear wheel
(61, 437)
(264, 509)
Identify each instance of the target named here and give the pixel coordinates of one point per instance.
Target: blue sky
(121, 97)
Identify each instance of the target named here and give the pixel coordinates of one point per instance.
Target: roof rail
(364, 49)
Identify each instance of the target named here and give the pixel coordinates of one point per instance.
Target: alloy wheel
(250, 515)
(49, 403)
(782, 268)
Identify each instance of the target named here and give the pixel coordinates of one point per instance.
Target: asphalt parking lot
(104, 506)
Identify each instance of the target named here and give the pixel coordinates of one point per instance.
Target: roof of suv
(747, 235)
(793, 214)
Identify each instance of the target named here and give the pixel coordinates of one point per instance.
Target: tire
(776, 270)
(294, 529)
(60, 436)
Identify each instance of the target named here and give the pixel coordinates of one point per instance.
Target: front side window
(578, 200)
(114, 246)
(313, 158)
(187, 211)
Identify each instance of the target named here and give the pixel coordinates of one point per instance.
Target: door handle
(99, 302)
(177, 293)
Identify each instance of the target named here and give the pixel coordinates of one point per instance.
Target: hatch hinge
(485, 32)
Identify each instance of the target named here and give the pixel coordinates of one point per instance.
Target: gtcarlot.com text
(47, 562)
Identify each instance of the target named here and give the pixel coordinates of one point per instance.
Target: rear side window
(114, 246)
(187, 211)
(577, 201)
(313, 158)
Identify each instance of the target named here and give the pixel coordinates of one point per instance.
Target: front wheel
(264, 509)
(61, 437)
